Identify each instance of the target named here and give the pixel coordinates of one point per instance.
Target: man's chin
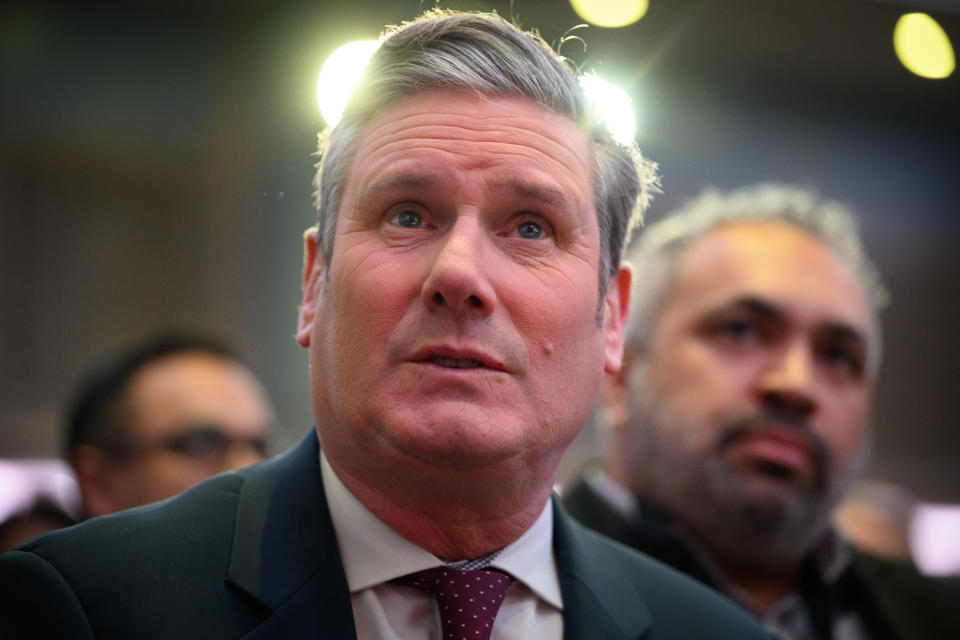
(453, 440)
(771, 485)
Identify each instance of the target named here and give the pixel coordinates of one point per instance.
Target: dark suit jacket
(895, 601)
(252, 554)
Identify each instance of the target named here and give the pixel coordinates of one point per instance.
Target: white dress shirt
(373, 554)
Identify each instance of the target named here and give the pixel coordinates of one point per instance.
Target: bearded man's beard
(761, 520)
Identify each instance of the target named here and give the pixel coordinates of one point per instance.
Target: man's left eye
(530, 230)
(409, 219)
(841, 359)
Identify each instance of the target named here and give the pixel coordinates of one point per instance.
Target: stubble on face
(758, 519)
(749, 399)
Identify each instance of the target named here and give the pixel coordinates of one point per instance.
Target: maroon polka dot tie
(468, 600)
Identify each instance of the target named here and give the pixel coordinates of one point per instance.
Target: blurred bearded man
(741, 415)
(463, 295)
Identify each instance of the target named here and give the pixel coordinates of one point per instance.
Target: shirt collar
(530, 559)
(372, 553)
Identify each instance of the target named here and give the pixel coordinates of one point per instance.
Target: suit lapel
(599, 601)
(285, 553)
(285, 557)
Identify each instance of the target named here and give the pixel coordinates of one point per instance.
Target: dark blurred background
(155, 167)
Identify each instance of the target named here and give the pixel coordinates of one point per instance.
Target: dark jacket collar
(599, 599)
(285, 552)
(285, 557)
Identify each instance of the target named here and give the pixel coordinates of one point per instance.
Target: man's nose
(788, 383)
(458, 277)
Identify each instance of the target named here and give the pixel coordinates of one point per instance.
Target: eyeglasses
(204, 442)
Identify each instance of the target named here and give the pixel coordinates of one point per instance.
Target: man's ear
(616, 312)
(313, 266)
(616, 392)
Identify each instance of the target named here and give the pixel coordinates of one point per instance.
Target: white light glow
(339, 77)
(612, 105)
(933, 538)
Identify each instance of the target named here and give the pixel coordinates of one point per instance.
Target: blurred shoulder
(190, 532)
(678, 605)
(911, 601)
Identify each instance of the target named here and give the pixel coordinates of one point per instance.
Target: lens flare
(612, 105)
(339, 77)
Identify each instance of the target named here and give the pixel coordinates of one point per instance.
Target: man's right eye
(408, 219)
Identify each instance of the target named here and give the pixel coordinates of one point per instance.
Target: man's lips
(456, 363)
(457, 358)
(783, 447)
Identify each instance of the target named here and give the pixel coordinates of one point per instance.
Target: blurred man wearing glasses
(160, 417)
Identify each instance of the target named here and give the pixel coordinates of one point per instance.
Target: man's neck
(757, 590)
(450, 520)
(763, 589)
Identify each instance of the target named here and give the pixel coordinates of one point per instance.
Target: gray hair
(484, 53)
(656, 256)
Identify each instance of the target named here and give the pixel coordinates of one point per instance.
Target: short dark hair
(98, 410)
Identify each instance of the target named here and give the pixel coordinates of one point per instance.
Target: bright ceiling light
(610, 13)
(612, 105)
(339, 77)
(923, 46)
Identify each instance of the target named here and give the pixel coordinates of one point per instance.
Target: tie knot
(468, 601)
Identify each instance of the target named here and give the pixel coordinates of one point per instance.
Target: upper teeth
(456, 363)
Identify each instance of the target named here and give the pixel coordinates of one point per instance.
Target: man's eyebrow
(754, 305)
(550, 195)
(760, 307)
(393, 180)
(843, 332)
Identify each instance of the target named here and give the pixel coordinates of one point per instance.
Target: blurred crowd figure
(41, 516)
(161, 416)
(741, 416)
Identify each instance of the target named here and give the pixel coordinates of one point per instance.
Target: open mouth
(456, 363)
(457, 358)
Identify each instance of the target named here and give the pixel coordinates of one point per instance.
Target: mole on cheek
(547, 348)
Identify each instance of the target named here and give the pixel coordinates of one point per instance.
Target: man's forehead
(775, 262)
(420, 176)
(457, 117)
(192, 384)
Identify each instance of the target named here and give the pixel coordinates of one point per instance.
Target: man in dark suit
(462, 297)
(741, 415)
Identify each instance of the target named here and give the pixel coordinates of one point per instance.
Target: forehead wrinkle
(425, 169)
(508, 133)
(511, 144)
